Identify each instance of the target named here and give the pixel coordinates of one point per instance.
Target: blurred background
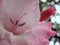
(54, 18)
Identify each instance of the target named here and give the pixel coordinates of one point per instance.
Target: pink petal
(41, 34)
(48, 24)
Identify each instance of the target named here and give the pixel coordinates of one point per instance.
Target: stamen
(16, 22)
(22, 24)
(11, 21)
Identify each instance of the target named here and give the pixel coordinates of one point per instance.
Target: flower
(20, 24)
(47, 13)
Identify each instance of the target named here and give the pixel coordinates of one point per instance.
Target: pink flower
(20, 24)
